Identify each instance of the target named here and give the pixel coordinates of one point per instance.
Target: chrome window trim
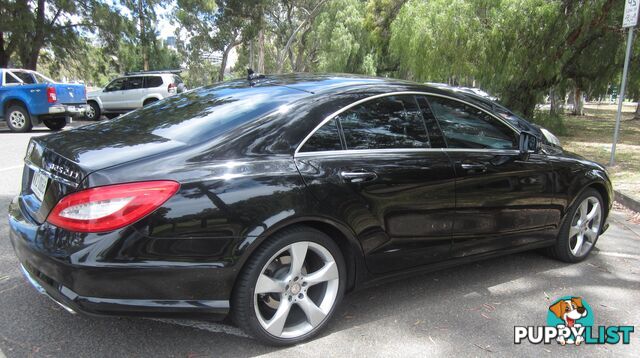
(348, 152)
(297, 152)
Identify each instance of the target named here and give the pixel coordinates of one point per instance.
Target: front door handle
(358, 177)
(474, 167)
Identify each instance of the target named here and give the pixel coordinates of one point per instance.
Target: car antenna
(252, 75)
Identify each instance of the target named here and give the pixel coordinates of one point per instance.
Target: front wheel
(580, 232)
(55, 124)
(93, 111)
(290, 287)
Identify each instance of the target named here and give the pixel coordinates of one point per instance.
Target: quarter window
(384, 123)
(465, 126)
(326, 137)
(153, 81)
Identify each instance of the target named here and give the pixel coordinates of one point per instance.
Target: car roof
(333, 83)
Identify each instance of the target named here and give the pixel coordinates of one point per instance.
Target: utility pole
(629, 21)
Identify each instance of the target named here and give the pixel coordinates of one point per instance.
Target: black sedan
(266, 200)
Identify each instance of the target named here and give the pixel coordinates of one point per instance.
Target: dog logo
(570, 321)
(570, 311)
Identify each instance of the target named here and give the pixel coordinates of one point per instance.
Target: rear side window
(384, 123)
(134, 83)
(326, 137)
(153, 81)
(465, 126)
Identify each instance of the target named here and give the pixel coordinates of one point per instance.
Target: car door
(372, 165)
(112, 95)
(133, 92)
(503, 199)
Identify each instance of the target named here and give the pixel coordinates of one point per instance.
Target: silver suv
(133, 91)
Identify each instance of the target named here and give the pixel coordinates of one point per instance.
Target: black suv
(268, 199)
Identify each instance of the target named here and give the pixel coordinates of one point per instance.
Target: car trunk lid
(56, 165)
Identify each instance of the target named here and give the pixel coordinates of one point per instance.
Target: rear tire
(55, 124)
(18, 119)
(581, 229)
(290, 287)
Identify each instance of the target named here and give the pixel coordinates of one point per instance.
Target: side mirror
(529, 144)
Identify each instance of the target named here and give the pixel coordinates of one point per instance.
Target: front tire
(93, 112)
(581, 229)
(55, 124)
(290, 287)
(18, 119)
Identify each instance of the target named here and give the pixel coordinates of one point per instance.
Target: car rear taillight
(52, 97)
(110, 207)
(172, 88)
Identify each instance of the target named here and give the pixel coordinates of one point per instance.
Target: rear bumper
(68, 110)
(153, 291)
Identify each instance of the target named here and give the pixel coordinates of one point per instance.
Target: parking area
(469, 310)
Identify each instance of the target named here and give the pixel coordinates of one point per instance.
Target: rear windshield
(204, 113)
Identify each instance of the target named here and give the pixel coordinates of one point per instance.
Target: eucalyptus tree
(29, 26)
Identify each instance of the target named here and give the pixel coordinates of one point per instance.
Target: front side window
(384, 123)
(116, 85)
(465, 126)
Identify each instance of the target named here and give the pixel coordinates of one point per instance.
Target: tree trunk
(31, 62)
(636, 116)
(306, 22)
(251, 55)
(261, 52)
(556, 102)
(578, 103)
(143, 36)
(225, 56)
(4, 57)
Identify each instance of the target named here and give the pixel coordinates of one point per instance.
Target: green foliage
(553, 122)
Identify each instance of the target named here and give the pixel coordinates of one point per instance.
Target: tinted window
(116, 85)
(465, 126)
(153, 81)
(436, 139)
(204, 113)
(134, 83)
(26, 77)
(388, 122)
(326, 137)
(177, 80)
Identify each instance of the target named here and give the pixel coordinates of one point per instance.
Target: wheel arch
(13, 101)
(602, 188)
(340, 234)
(151, 98)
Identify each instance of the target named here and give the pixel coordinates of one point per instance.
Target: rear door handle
(474, 167)
(358, 177)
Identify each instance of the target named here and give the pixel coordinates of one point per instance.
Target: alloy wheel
(17, 119)
(296, 289)
(91, 113)
(585, 226)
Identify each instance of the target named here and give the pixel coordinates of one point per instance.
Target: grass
(591, 136)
